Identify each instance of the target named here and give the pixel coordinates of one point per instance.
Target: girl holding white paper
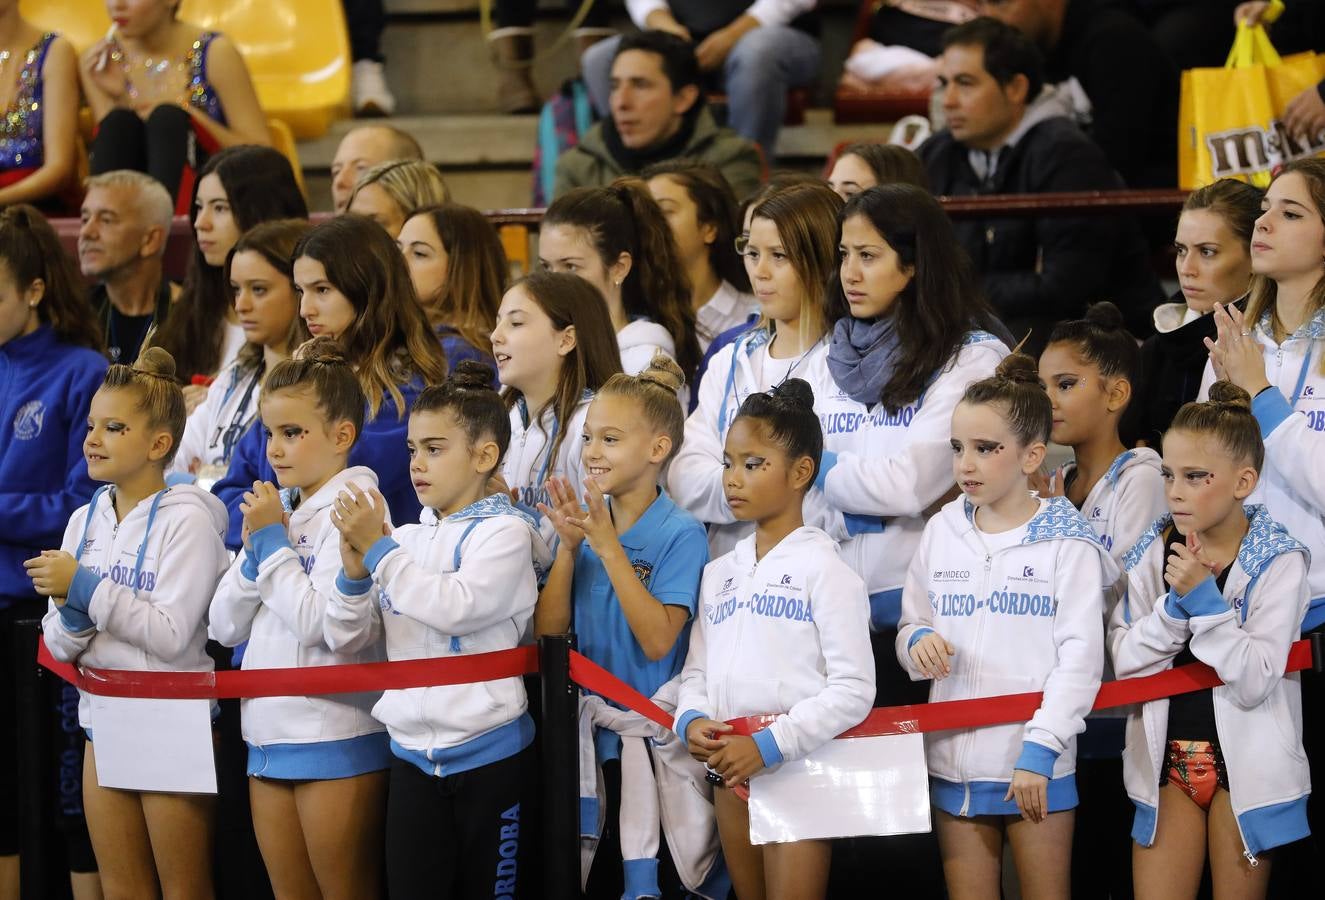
(317, 766)
(1216, 774)
(1006, 596)
(129, 589)
(784, 630)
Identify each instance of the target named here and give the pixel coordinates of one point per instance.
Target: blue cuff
(1270, 407)
(1036, 758)
(826, 463)
(862, 524)
(1173, 606)
(353, 587)
(175, 478)
(1204, 599)
(268, 539)
(683, 721)
(380, 548)
(768, 747)
(249, 567)
(917, 635)
(74, 612)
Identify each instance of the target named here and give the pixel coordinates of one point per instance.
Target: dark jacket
(1037, 270)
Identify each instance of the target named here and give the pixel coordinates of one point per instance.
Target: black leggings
(161, 145)
(365, 21)
(468, 835)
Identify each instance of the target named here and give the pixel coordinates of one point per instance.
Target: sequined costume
(20, 130)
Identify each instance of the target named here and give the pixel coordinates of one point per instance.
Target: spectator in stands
(658, 113)
(1122, 87)
(240, 187)
(369, 93)
(900, 53)
(39, 112)
(360, 150)
(755, 52)
(166, 94)
(1299, 27)
(121, 243)
(390, 192)
(1035, 270)
(512, 46)
(860, 167)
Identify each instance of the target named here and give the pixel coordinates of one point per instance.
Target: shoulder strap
(87, 521)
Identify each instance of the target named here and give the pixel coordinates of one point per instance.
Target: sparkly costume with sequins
(20, 131)
(199, 92)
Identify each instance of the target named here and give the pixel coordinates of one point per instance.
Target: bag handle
(1251, 47)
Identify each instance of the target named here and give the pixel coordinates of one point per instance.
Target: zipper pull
(989, 562)
(1251, 860)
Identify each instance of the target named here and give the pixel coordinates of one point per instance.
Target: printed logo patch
(28, 421)
(643, 569)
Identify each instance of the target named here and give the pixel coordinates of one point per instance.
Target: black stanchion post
(33, 759)
(561, 769)
(1317, 639)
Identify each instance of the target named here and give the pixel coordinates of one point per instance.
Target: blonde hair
(412, 184)
(654, 390)
(152, 379)
(1226, 417)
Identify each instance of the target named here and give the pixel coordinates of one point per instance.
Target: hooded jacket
(881, 471)
(276, 597)
(215, 427)
(1125, 501)
(528, 464)
(1244, 634)
(1292, 484)
(139, 598)
(639, 341)
(455, 586)
(46, 387)
(787, 635)
(1024, 611)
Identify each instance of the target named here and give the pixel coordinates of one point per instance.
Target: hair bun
(155, 361)
(323, 351)
(1019, 369)
(795, 392)
(470, 374)
(1105, 315)
(664, 372)
(1227, 392)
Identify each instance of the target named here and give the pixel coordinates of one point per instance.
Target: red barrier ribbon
(309, 681)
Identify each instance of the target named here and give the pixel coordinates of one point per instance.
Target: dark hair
(654, 390)
(275, 242)
(32, 250)
(623, 218)
(940, 304)
(890, 163)
(1015, 385)
(389, 343)
(715, 205)
(570, 301)
(152, 378)
(677, 55)
(259, 186)
(469, 396)
(1236, 202)
(1227, 417)
(787, 412)
(806, 218)
(1008, 52)
(321, 367)
(476, 271)
(1102, 340)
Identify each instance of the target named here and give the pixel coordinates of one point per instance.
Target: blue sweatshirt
(381, 448)
(46, 387)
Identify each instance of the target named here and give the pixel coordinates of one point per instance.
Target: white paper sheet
(860, 786)
(154, 745)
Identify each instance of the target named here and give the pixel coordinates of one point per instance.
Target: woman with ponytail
(617, 239)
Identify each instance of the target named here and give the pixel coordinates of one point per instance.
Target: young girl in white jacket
(1216, 774)
(129, 589)
(462, 581)
(784, 630)
(554, 347)
(316, 765)
(1006, 596)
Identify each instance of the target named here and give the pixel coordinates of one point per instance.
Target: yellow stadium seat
(297, 51)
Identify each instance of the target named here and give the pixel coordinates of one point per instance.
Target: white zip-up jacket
(881, 471)
(785, 635)
(694, 477)
(276, 597)
(1124, 503)
(1244, 634)
(214, 428)
(1292, 484)
(527, 465)
(639, 341)
(1023, 611)
(449, 587)
(139, 599)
